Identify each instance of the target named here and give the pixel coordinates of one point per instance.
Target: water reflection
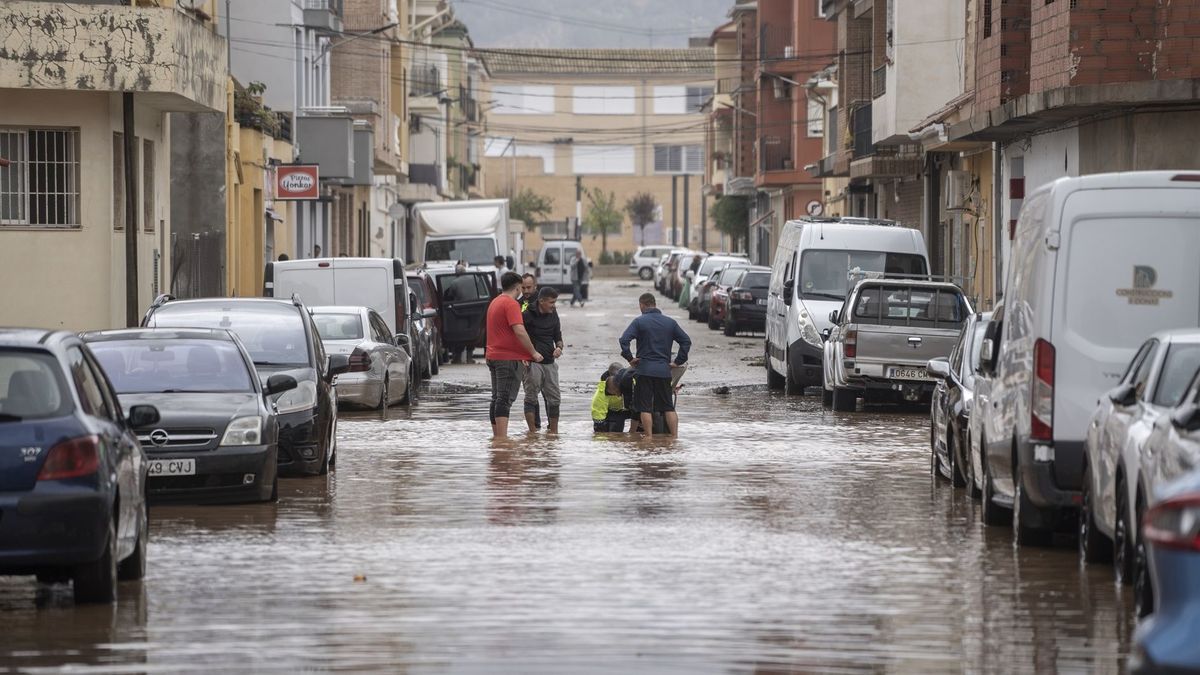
(523, 486)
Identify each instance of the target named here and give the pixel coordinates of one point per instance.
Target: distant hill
(588, 23)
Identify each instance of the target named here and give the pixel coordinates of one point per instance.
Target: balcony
(324, 16)
(425, 174)
(775, 43)
(426, 81)
(775, 153)
(890, 165)
(172, 60)
(728, 85)
(878, 82)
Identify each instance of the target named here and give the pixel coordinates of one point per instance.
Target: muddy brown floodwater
(772, 536)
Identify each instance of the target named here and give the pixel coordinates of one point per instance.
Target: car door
(552, 265)
(465, 299)
(383, 347)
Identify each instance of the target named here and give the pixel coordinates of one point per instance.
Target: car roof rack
(162, 299)
(856, 275)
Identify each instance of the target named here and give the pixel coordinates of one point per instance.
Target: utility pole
(131, 210)
(674, 208)
(686, 209)
(579, 207)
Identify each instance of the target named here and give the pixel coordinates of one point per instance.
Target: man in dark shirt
(654, 332)
(545, 330)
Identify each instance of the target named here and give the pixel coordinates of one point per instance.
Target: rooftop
(693, 61)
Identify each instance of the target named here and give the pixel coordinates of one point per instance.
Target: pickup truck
(883, 337)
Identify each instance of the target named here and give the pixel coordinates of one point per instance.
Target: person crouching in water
(545, 331)
(612, 402)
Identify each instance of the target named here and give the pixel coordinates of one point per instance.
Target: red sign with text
(297, 181)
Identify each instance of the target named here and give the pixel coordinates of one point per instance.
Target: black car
(281, 339)
(746, 306)
(950, 409)
(72, 475)
(217, 439)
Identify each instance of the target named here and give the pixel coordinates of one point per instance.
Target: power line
(574, 21)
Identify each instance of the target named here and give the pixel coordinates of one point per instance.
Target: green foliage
(731, 215)
(602, 215)
(249, 112)
(530, 207)
(640, 208)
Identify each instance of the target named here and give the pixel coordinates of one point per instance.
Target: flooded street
(772, 536)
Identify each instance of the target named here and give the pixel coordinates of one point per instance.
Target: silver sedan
(381, 364)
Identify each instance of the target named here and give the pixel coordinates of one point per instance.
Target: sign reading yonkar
(297, 181)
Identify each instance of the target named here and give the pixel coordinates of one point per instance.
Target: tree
(641, 208)
(732, 216)
(530, 207)
(602, 216)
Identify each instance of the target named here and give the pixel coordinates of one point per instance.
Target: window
(523, 99)
(31, 387)
(273, 333)
(85, 382)
(910, 307)
(40, 186)
(148, 186)
(1177, 371)
(1142, 374)
(697, 97)
(154, 366)
(816, 118)
(338, 326)
(552, 256)
(824, 273)
(680, 100)
(679, 159)
(601, 100)
(610, 159)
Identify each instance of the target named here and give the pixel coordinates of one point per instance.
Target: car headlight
(808, 330)
(243, 431)
(303, 397)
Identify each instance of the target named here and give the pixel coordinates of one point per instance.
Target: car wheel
(826, 398)
(956, 474)
(426, 369)
(990, 512)
(791, 385)
(1123, 552)
(729, 328)
(330, 448)
(973, 490)
(134, 567)
(845, 400)
(1092, 545)
(410, 392)
(645, 273)
(774, 379)
(384, 395)
(96, 582)
(1143, 585)
(1023, 533)
(274, 489)
(434, 366)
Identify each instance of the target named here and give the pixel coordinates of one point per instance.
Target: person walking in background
(579, 276)
(501, 268)
(508, 350)
(545, 331)
(654, 333)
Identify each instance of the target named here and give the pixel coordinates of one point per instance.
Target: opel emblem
(159, 437)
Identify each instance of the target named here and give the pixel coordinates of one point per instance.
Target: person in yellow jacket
(611, 402)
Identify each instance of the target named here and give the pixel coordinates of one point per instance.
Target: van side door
(465, 299)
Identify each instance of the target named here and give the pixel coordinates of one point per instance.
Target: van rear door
(1126, 269)
(552, 265)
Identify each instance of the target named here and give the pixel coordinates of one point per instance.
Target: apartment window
(523, 99)
(679, 159)
(680, 100)
(40, 186)
(148, 186)
(987, 18)
(598, 100)
(816, 118)
(610, 159)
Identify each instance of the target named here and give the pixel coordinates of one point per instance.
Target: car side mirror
(403, 342)
(834, 316)
(1187, 418)
(143, 416)
(428, 313)
(338, 364)
(984, 364)
(939, 368)
(1124, 395)
(279, 383)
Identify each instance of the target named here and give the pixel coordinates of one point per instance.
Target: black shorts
(653, 394)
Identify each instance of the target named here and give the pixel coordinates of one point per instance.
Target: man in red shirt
(509, 349)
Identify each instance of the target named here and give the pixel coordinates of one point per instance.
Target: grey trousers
(542, 379)
(506, 384)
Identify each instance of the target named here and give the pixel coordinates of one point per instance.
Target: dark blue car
(72, 473)
(1168, 641)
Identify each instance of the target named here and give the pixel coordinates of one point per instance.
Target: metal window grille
(148, 185)
(40, 186)
(118, 182)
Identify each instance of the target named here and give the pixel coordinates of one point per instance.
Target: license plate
(762, 301)
(897, 373)
(172, 467)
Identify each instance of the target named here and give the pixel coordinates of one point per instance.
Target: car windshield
(824, 275)
(481, 251)
(1177, 371)
(31, 387)
(756, 280)
(711, 264)
(273, 333)
(173, 365)
(341, 326)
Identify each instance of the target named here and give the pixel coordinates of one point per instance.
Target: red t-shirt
(502, 342)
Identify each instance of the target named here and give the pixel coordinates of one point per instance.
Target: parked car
(217, 439)
(810, 278)
(697, 309)
(950, 407)
(1097, 263)
(981, 404)
(281, 339)
(884, 337)
(381, 369)
(378, 283)
(1166, 641)
(644, 260)
(554, 265)
(715, 294)
(702, 292)
(743, 305)
(1114, 499)
(72, 473)
(422, 285)
(662, 279)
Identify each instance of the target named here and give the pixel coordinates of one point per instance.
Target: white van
(645, 260)
(810, 279)
(377, 283)
(553, 264)
(1098, 263)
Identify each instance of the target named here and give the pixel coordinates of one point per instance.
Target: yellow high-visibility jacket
(602, 403)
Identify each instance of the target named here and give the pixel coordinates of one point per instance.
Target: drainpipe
(132, 318)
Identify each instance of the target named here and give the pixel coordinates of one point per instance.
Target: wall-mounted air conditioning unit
(957, 190)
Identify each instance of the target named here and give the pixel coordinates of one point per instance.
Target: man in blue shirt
(654, 332)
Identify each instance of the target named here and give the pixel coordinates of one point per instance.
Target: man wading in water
(509, 349)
